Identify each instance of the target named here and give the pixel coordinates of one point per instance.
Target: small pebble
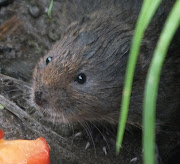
(34, 11)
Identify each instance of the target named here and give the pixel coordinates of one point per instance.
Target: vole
(81, 78)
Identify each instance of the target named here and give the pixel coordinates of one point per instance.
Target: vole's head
(81, 77)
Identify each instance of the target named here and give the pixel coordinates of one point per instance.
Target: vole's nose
(38, 98)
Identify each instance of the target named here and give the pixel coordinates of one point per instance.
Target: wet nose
(38, 97)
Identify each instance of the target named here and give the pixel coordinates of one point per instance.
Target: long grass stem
(151, 86)
(149, 7)
(50, 9)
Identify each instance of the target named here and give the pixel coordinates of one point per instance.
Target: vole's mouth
(40, 103)
(57, 117)
(49, 113)
(39, 100)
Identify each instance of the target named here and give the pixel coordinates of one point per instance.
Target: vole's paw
(103, 136)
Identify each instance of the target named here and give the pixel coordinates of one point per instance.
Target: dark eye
(81, 78)
(48, 60)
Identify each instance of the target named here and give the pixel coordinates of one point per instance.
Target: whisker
(90, 132)
(101, 134)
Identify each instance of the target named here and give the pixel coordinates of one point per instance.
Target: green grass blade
(148, 9)
(151, 86)
(50, 9)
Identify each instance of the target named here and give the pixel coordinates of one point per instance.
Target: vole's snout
(38, 98)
